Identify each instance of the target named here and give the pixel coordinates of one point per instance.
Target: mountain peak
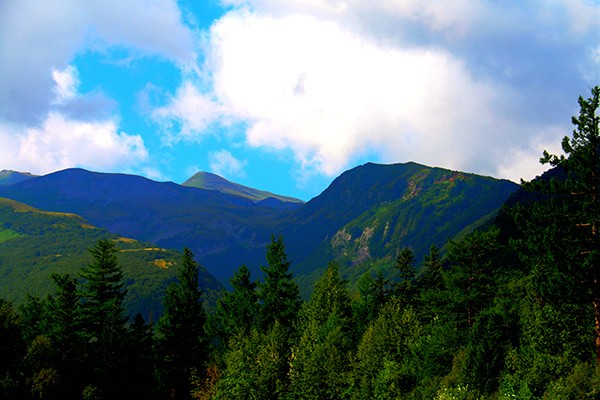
(10, 177)
(210, 181)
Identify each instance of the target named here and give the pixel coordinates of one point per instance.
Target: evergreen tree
(470, 276)
(405, 265)
(279, 295)
(12, 350)
(103, 293)
(382, 365)
(237, 310)
(65, 334)
(373, 293)
(319, 366)
(571, 216)
(256, 366)
(430, 286)
(181, 338)
(431, 274)
(104, 323)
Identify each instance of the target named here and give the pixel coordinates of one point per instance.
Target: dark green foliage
(237, 311)
(320, 361)
(470, 277)
(372, 295)
(256, 366)
(182, 342)
(405, 266)
(382, 367)
(278, 293)
(12, 349)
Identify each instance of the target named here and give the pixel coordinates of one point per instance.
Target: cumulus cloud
(223, 163)
(41, 39)
(466, 85)
(61, 143)
(45, 123)
(187, 114)
(69, 135)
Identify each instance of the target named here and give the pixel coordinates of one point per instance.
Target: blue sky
(285, 95)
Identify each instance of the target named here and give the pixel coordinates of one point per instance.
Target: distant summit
(206, 180)
(8, 177)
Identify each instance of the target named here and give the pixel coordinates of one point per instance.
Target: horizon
(285, 96)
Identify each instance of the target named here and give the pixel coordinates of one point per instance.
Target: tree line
(510, 311)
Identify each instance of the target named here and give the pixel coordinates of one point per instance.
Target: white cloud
(223, 163)
(45, 38)
(66, 82)
(45, 123)
(331, 95)
(191, 111)
(333, 81)
(61, 143)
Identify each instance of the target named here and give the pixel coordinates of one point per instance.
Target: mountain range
(361, 220)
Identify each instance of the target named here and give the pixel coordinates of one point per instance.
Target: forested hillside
(508, 311)
(34, 244)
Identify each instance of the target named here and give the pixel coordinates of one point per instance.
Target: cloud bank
(45, 123)
(477, 86)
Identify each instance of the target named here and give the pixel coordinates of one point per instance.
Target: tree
(12, 349)
(319, 366)
(573, 210)
(104, 323)
(405, 265)
(279, 295)
(181, 338)
(102, 294)
(382, 365)
(65, 333)
(237, 310)
(256, 365)
(469, 279)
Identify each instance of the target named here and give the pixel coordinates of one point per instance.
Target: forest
(509, 311)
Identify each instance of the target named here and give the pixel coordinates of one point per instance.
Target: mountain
(206, 180)
(371, 212)
(361, 220)
(223, 230)
(8, 177)
(35, 243)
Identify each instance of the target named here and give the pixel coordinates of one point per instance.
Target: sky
(284, 95)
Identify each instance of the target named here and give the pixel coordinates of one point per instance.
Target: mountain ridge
(210, 181)
(378, 208)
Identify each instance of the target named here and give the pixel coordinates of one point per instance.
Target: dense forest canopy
(509, 311)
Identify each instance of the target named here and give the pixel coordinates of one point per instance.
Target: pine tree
(319, 366)
(405, 265)
(571, 217)
(237, 310)
(470, 276)
(65, 333)
(103, 319)
(12, 349)
(279, 295)
(103, 293)
(181, 338)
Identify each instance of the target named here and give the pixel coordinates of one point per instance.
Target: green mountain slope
(206, 180)
(371, 212)
(35, 243)
(362, 219)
